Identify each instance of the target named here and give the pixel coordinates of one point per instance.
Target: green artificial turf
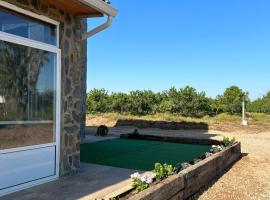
(139, 154)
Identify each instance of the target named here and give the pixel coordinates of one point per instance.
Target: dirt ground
(257, 122)
(12, 136)
(248, 179)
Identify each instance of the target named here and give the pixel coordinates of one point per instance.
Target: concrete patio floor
(92, 182)
(96, 181)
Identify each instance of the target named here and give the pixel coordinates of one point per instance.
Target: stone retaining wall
(189, 181)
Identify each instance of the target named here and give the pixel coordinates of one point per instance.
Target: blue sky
(207, 44)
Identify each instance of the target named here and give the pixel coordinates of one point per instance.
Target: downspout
(98, 29)
(84, 37)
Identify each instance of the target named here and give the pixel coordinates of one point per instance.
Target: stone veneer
(73, 59)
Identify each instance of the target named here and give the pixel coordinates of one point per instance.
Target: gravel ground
(249, 178)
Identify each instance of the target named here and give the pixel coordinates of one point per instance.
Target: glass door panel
(27, 96)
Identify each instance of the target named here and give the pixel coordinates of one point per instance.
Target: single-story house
(43, 87)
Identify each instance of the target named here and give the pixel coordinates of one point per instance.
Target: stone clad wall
(73, 64)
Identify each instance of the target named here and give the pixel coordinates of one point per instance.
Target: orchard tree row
(185, 101)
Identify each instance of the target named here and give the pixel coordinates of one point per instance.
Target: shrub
(261, 105)
(227, 141)
(135, 132)
(163, 171)
(97, 101)
(102, 131)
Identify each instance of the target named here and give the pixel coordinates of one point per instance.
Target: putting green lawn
(139, 154)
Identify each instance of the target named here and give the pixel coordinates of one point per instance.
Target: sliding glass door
(29, 101)
(27, 92)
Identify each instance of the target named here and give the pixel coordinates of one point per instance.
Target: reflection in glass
(27, 95)
(21, 25)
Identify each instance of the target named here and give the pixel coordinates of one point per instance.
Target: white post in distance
(244, 121)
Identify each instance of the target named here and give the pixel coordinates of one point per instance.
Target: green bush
(97, 101)
(163, 171)
(261, 105)
(228, 142)
(135, 132)
(102, 131)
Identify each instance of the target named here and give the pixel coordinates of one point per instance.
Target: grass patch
(139, 154)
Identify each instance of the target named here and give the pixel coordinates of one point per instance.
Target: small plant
(163, 171)
(205, 155)
(141, 182)
(139, 185)
(136, 132)
(208, 154)
(194, 161)
(228, 142)
(215, 149)
(102, 131)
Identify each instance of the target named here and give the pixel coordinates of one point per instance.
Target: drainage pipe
(98, 29)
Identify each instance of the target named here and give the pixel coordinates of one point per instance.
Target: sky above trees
(208, 44)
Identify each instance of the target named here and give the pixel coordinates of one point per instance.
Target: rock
(71, 129)
(181, 166)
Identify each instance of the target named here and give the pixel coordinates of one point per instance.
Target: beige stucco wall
(73, 59)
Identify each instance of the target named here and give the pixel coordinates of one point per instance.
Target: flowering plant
(216, 148)
(208, 154)
(141, 182)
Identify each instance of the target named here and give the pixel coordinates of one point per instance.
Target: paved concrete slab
(193, 133)
(93, 182)
(93, 138)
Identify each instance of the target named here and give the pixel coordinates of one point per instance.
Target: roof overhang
(85, 8)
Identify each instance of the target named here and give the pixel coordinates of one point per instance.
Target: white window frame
(50, 48)
(33, 15)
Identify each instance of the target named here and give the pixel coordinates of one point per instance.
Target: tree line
(185, 101)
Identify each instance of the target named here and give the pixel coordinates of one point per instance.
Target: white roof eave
(100, 6)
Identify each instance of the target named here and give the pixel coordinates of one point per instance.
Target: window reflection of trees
(20, 69)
